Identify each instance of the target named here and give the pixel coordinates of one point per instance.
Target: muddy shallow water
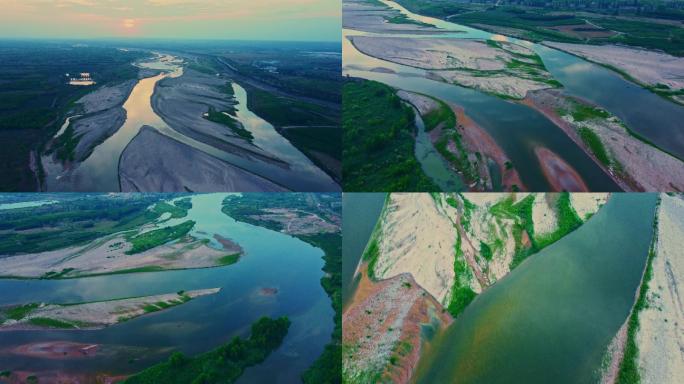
(552, 318)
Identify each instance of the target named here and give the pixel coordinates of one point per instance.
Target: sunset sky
(315, 20)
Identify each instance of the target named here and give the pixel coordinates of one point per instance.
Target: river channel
(517, 128)
(271, 260)
(551, 319)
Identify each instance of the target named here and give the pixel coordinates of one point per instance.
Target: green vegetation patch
(157, 237)
(629, 367)
(379, 143)
(461, 293)
(19, 312)
(328, 367)
(73, 221)
(177, 210)
(224, 364)
(593, 141)
(443, 114)
(584, 112)
(403, 19)
(568, 221)
(51, 323)
(486, 251)
(229, 259)
(230, 122)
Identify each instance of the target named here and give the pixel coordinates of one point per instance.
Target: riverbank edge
(150, 307)
(615, 354)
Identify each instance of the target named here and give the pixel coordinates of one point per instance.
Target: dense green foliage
(230, 122)
(593, 141)
(461, 293)
(284, 111)
(221, 365)
(583, 112)
(379, 142)
(19, 312)
(157, 237)
(310, 127)
(443, 114)
(303, 69)
(75, 220)
(229, 259)
(485, 251)
(521, 212)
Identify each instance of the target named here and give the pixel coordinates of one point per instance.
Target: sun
(128, 23)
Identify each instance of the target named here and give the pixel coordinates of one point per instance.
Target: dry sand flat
(648, 67)
(153, 162)
(424, 104)
(543, 214)
(494, 68)
(661, 332)
(108, 255)
(361, 15)
(417, 235)
(416, 238)
(101, 314)
(297, 222)
(103, 115)
(182, 102)
(586, 204)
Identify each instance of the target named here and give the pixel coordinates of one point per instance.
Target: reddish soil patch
(546, 101)
(268, 291)
(478, 140)
(228, 244)
(59, 377)
(56, 350)
(558, 173)
(376, 307)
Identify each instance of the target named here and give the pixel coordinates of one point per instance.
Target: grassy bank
(224, 364)
(327, 369)
(629, 367)
(157, 237)
(521, 213)
(379, 141)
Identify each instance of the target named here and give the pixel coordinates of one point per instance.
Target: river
(272, 260)
(100, 171)
(551, 319)
(361, 213)
(517, 128)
